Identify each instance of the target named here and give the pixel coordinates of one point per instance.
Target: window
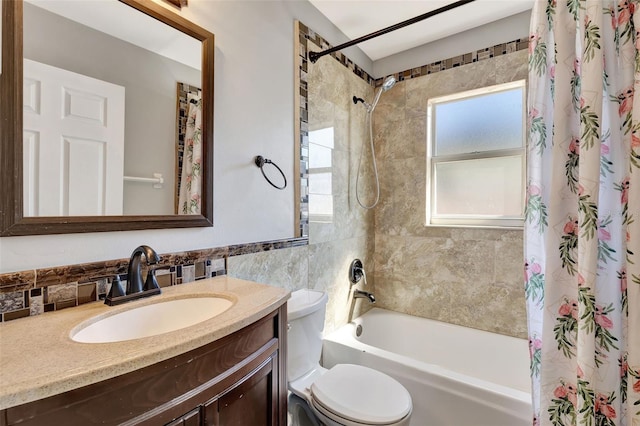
(320, 175)
(476, 158)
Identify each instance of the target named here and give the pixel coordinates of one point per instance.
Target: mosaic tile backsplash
(34, 292)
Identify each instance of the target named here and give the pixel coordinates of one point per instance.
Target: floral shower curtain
(582, 229)
(191, 179)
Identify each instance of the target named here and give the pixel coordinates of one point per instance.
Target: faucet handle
(116, 289)
(151, 282)
(364, 276)
(356, 272)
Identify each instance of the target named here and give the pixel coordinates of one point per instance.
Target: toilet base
(300, 414)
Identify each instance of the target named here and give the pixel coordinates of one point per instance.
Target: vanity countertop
(38, 359)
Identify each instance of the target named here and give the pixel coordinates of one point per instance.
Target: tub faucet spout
(359, 294)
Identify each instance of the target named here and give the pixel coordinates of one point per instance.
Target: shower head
(387, 85)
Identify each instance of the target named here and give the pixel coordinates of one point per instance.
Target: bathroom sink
(150, 320)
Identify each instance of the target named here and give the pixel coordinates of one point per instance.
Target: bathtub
(457, 376)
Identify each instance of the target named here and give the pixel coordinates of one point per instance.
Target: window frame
(466, 220)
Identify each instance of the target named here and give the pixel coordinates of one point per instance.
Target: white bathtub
(457, 376)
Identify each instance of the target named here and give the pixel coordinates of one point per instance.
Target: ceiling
(131, 26)
(356, 18)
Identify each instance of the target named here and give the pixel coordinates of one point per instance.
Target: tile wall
(466, 276)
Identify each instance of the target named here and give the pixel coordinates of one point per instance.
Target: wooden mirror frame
(12, 220)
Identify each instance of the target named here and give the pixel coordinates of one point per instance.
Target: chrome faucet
(359, 294)
(134, 276)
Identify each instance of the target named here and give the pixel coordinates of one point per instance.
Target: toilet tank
(305, 315)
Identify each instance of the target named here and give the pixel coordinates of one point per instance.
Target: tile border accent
(460, 60)
(36, 291)
(303, 34)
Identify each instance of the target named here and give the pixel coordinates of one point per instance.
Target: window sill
(458, 226)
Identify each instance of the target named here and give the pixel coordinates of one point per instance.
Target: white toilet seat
(356, 395)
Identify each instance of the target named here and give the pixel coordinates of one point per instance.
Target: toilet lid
(362, 395)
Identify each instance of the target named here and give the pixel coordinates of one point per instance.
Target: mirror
(157, 76)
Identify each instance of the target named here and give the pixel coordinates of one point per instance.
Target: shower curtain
(191, 178)
(582, 231)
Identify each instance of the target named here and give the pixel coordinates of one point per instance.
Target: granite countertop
(38, 359)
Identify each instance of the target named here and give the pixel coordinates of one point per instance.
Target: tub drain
(358, 330)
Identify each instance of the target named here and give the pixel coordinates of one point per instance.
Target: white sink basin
(150, 320)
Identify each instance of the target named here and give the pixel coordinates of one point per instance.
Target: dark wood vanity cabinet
(237, 380)
(252, 401)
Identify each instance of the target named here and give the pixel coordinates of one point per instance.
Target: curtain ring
(261, 161)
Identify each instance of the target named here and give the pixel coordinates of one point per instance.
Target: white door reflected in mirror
(145, 57)
(73, 143)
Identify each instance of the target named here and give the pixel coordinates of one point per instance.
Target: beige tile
(403, 294)
(391, 104)
(401, 139)
(487, 307)
(511, 67)
(286, 268)
(420, 90)
(509, 258)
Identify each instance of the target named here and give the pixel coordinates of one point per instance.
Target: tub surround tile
(508, 257)
(419, 298)
(466, 276)
(512, 67)
(489, 307)
(329, 271)
(402, 139)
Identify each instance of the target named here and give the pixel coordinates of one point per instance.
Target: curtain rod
(314, 56)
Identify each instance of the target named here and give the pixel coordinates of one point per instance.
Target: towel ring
(261, 161)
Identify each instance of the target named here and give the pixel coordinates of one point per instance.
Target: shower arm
(314, 56)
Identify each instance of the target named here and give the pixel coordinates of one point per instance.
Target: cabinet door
(252, 401)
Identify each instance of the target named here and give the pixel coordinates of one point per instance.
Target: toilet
(345, 395)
